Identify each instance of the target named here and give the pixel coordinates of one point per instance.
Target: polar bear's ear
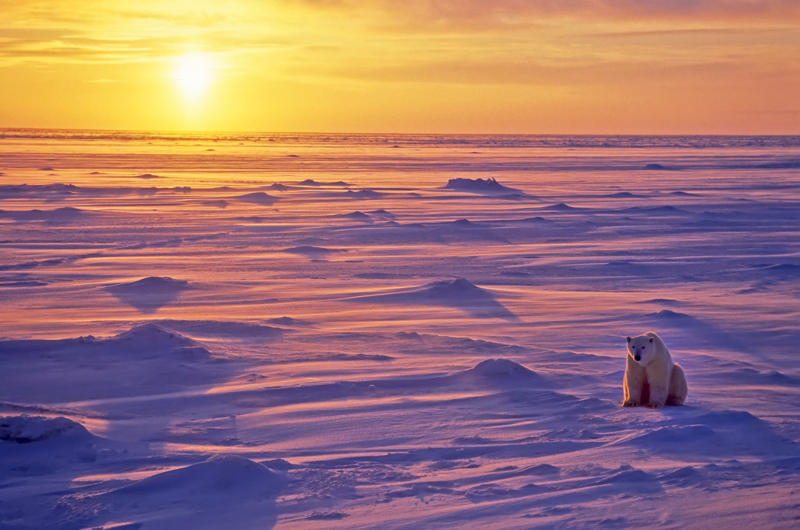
(628, 339)
(651, 339)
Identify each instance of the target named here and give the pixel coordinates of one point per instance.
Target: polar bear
(651, 378)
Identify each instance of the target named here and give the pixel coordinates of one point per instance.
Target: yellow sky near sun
(538, 66)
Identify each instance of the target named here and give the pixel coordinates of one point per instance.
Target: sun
(193, 74)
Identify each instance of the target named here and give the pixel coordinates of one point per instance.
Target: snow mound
(484, 186)
(28, 429)
(560, 207)
(257, 197)
(288, 321)
(363, 194)
(459, 293)
(501, 369)
(382, 213)
(729, 432)
(149, 294)
(667, 209)
(151, 340)
(756, 377)
(154, 336)
(148, 176)
(37, 445)
(312, 252)
(356, 216)
(223, 328)
(67, 211)
(146, 358)
(222, 476)
(215, 203)
(152, 284)
(517, 383)
(675, 435)
(704, 331)
(630, 475)
(59, 215)
(312, 182)
(654, 167)
(457, 288)
(672, 315)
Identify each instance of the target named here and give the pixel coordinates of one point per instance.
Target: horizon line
(365, 133)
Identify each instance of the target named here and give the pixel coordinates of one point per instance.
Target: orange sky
(482, 66)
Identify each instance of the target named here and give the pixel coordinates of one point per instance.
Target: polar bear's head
(642, 348)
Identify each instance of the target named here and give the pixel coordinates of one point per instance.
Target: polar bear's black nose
(637, 357)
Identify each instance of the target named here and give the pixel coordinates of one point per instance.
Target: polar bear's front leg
(658, 374)
(632, 383)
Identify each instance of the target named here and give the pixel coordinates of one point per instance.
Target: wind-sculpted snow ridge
(33, 448)
(149, 338)
(459, 293)
(726, 432)
(363, 194)
(700, 330)
(312, 182)
(446, 232)
(221, 475)
(561, 207)
(63, 215)
(489, 186)
(257, 197)
(56, 191)
(502, 372)
(142, 339)
(31, 429)
(149, 294)
(222, 491)
(313, 252)
(381, 213)
(356, 216)
(217, 328)
(288, 321)
(146, 358)
(656, 210)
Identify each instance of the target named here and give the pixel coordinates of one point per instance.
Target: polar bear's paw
(630, 403)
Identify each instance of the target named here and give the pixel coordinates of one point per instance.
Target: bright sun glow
(193, 74)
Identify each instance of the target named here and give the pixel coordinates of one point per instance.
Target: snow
(183, 357)
(148, 294)
(459, 293)
(481, 186)
(25, 429)
(220, 476)
(257, 197)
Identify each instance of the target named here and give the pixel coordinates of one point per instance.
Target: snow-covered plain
(354, 331)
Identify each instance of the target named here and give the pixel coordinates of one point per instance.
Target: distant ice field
(395, 331)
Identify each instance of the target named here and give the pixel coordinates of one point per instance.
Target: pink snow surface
(369, 336)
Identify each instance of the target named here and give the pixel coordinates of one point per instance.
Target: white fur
(652, 380)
